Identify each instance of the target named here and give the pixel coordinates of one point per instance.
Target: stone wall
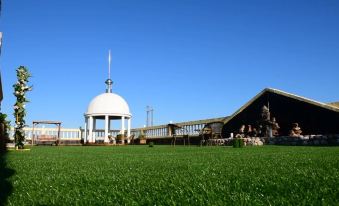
(312, 140)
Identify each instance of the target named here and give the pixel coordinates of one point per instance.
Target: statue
(110, 139)
(241, 132)
(251, 131)
(275, 127)
(265, 113)
(295, 131)
(254, 132)
(242, 129)
(268, 126)
(265, 122)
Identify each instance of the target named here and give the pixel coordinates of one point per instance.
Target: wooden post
(58, 133)
(33, 134)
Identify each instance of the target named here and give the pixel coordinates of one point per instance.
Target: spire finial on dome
(109, 82)
(109, 64)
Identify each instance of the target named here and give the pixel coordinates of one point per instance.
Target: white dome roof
(108, 104)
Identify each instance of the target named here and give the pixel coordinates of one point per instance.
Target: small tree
(20, 89)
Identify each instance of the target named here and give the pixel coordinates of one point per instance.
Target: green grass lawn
(164, 175)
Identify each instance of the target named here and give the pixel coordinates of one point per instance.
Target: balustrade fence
(191, 128)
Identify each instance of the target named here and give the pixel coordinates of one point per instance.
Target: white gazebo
(107, 106)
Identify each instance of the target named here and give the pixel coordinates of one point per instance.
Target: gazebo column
(109, 125)
(106, 128)
(109, 131)
(90, 133)
(85, 130)
(128, 130)
(94, 129)
(122, 130)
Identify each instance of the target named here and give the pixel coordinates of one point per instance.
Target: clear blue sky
(188, 59)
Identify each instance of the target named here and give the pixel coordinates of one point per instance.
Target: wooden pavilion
(312, 116)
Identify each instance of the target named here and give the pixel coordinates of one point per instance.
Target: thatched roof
(334, 104)
(331, 106)
(287, 108)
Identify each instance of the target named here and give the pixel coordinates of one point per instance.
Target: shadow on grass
(6, 187)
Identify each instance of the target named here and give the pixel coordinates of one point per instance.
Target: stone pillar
(106, 140)
(128, 130)
(270, 131)
(90, 132)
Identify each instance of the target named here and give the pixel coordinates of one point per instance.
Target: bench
(46, 140)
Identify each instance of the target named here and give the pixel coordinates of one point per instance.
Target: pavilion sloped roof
(315, 116)
(334, 104)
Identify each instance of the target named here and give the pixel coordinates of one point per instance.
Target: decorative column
(106, 129)
(111, 133)
(85, 130)
(122, 131)
(109, 125)
(128, 130)
(90, 132)
(94, 128)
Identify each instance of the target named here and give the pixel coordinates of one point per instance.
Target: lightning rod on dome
(109, 82)
(109, 64)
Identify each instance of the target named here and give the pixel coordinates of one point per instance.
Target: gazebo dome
(108, 104)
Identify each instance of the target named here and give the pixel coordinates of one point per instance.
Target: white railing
(191, 128)
(65, 133)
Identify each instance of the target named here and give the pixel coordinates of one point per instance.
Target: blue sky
(188, 59)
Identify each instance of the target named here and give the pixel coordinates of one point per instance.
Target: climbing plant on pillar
(4, 128)
(20, 89)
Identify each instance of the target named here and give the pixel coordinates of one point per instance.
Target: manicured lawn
(163, 175)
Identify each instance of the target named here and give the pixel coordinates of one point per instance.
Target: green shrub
(238, 143)
(151, 144)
